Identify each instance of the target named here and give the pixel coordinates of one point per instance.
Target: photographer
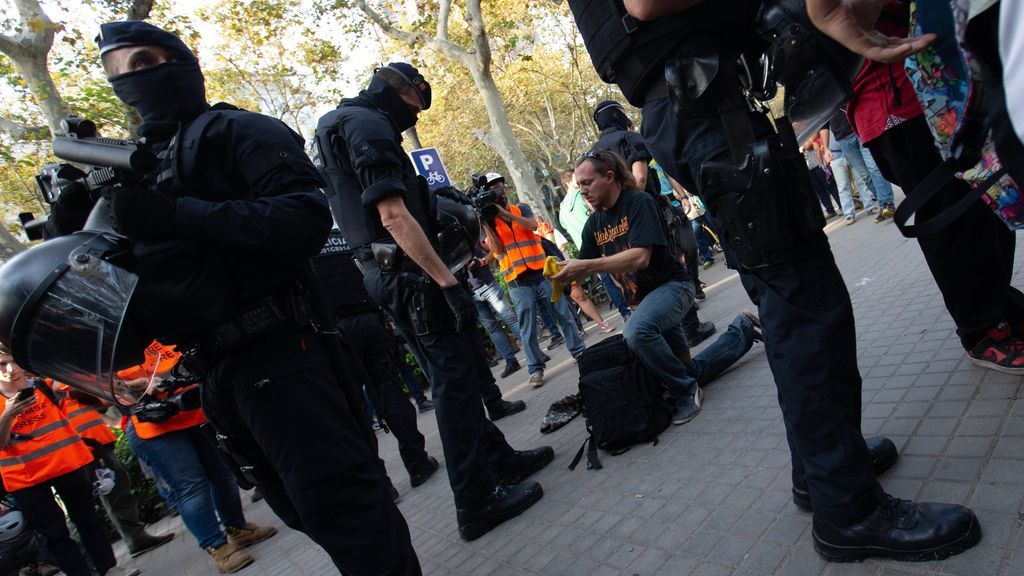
(510, 238)
(163, 432)
(681, 67)
(389, 215)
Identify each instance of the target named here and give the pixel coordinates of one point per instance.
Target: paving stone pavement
(712, 496)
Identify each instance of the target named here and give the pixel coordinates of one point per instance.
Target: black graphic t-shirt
(633, 223)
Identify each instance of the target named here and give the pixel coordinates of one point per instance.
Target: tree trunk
(9, 245)
(34, 70)
(504, 142)
(413, 137)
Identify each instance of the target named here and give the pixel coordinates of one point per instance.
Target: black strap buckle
(629, 23)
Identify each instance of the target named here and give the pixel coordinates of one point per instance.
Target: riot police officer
(360, 323)
(389, 217)
(239, 185)
(678, 60)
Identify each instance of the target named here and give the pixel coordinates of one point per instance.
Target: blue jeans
(527, 298)
(861, 161)
(201, 486)
(615, 295)
(845, 175)
(655, 334)
(491, 303)
(723, 352)
(703, 247)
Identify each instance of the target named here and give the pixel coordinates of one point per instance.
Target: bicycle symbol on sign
(435, 178)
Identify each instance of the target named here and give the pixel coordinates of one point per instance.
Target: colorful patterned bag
(947, 83)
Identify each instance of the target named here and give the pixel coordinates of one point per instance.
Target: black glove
(461, 303)
(141, 212)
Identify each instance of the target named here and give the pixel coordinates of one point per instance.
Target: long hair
(608, 161)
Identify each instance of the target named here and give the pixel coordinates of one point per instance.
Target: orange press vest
(85, 419)
(523, 249)
(43, 445)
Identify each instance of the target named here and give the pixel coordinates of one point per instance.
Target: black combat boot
(501, 408)
(883, 456)
(505, 503)
(524, 464)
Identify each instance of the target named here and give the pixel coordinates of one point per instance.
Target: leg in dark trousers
(468, 438)
(374, 345)
(120, 504)
(303, 418)
(972, 258)
(41, 510)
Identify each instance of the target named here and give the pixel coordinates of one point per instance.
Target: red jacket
(883, 96)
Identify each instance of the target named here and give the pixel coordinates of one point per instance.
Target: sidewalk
(712, 497)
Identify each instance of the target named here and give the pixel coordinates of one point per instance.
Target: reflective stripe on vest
(523, 250)
(46, 447)
(86, 420)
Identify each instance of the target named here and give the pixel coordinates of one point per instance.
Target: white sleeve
(1011, 50)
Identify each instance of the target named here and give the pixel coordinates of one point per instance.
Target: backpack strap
(593, 462)
(927, 189)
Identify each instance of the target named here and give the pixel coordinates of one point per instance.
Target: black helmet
(460, 232)
(63, 307)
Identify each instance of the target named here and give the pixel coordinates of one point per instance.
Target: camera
(485, 201)
(183, 395)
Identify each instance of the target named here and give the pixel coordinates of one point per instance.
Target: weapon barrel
(120, 154)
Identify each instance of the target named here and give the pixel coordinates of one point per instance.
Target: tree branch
(139, 9)
(414, 38)
(20, 131)
(482, 47)
(443, 12)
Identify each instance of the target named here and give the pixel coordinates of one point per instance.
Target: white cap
(492, 177)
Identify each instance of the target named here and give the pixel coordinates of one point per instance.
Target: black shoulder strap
(593, 462)
(927, 189)
(46, 390)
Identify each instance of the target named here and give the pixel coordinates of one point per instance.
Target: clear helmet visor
(78, 333)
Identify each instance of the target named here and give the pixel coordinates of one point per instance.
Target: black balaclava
(164, 95)
(609, 114)
(387, 98)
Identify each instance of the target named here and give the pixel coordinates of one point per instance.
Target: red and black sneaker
(999, 350)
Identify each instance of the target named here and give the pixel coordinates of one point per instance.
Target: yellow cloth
(551, 268)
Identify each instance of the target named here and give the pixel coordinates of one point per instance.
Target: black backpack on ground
(623, 402)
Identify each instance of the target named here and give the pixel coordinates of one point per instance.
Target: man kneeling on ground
(625, 237)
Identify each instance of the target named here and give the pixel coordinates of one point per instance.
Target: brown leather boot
(249, 534)
(228, 558)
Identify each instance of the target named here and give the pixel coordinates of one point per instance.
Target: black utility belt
(387, 257)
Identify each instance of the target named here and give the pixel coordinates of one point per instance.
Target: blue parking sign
(428, 164)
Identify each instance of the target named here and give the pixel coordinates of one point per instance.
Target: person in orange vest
(511, 239)
(164, 433)
(83, 412)
(40, 453)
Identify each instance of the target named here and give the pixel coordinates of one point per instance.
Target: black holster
(761, 192)
(428, 310)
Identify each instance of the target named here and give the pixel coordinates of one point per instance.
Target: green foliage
(151, 505)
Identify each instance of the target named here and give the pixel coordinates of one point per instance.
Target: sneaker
(524, 463)
(425, 405)
(544, 335)
(702, 333)
(545, 358)
(758, 335)
(688, 407)
(505, 503)
(999, 350)
(556, 341)
(491, 362)
(900, 530)
(850, 220)
(830, 215)
(511, 367)
(150, 542)
(606, 328)
(873, 209)
(498, 410)
(419, 478)
(537, 380)
(118, 571)
(249, 534)
(889, 210)
(699, 294)
(228, 558)
(883, 455)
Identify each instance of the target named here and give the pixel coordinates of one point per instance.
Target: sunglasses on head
(596, 156)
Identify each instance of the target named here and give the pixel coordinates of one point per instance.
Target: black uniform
(802, 300)
(256, 200)
(359, 321)
(366, 164)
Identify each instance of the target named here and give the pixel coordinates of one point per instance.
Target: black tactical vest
(628, 52)
(340, 281)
